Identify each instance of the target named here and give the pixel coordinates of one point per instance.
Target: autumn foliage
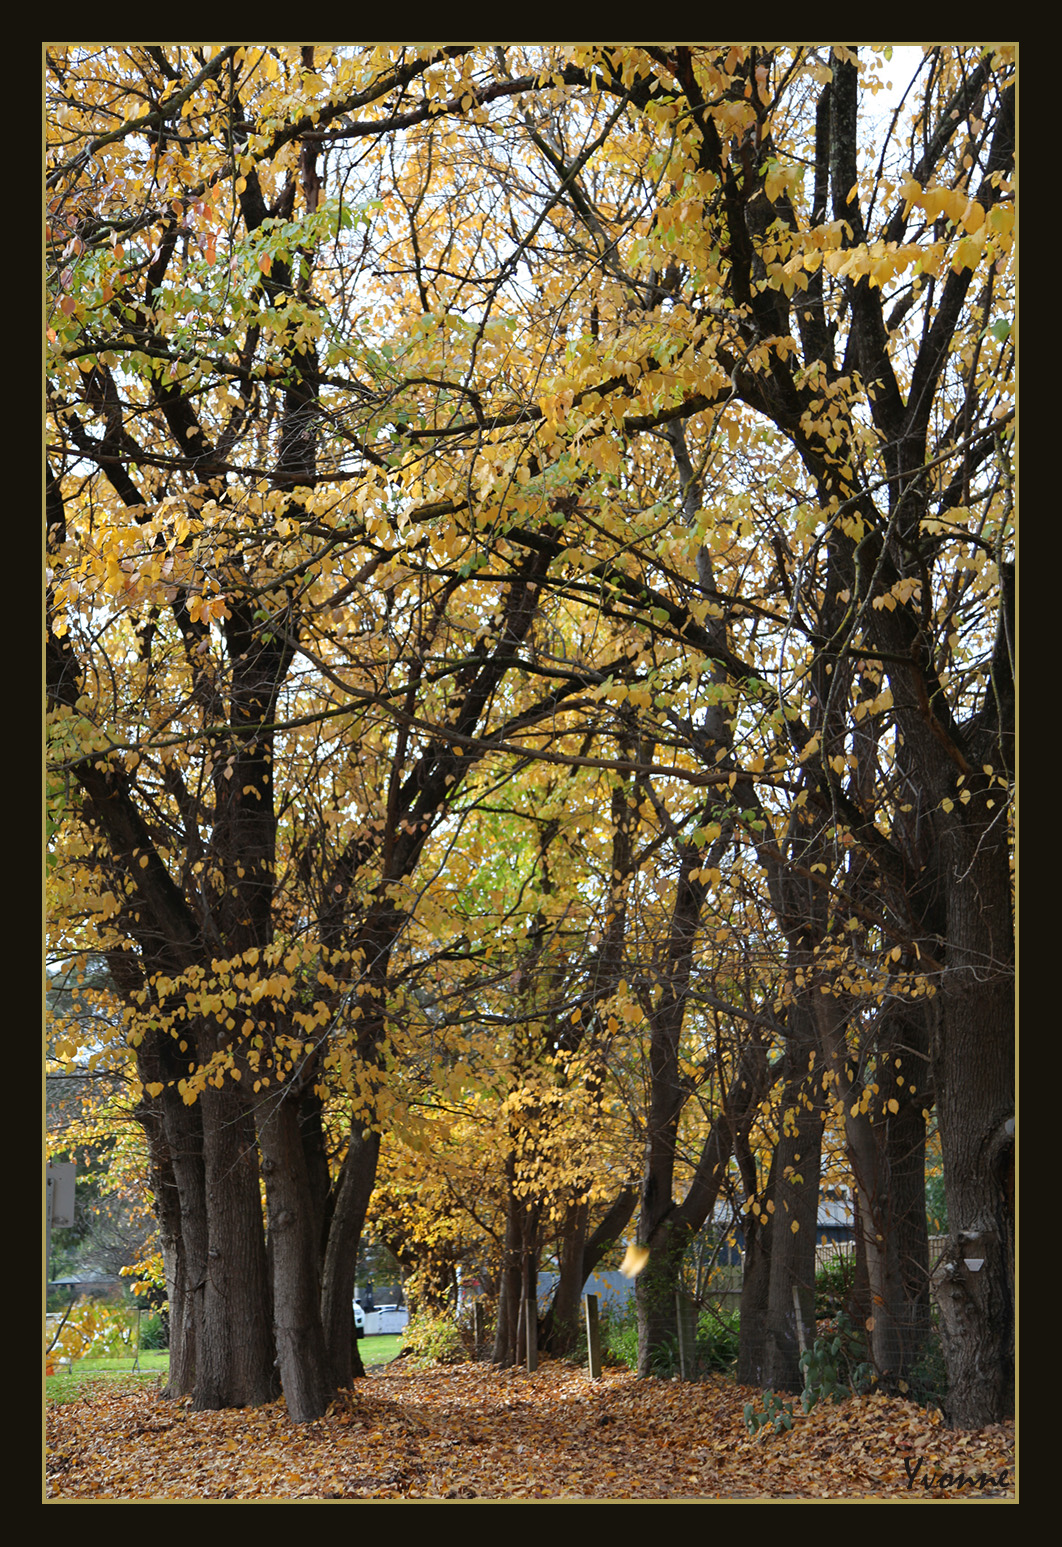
(477, 1433)
(530, 678)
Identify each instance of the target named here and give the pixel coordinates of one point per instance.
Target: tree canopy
(530, 667)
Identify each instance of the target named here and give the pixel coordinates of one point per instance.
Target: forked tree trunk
(604, 1237)
(561, 1323)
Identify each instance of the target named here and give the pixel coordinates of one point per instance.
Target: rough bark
(974, 1074)
(236, 1366)
(755, 1288)
(294, 1244)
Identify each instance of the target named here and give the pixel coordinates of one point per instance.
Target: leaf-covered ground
(475, 1432)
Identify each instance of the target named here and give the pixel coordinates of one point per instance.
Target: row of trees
(530, 647)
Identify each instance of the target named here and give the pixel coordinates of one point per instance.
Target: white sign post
(58, 1202)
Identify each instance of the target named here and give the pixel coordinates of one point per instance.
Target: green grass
(70, 1383)
(379, 1350)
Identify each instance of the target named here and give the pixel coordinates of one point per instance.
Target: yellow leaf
(634, 1261)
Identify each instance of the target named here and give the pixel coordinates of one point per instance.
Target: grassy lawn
(379, 1350)
(70, 1381)
(68, 1384)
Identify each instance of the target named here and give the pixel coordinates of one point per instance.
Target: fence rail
(725, 1287)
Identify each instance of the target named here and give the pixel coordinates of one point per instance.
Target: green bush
(93, 1329)
(836, 1366)
(833, 1284)
(716, 1346)
(155, 1331)
(718, 1339)
(774, 1414)
(936, 1204)
(434, 1340)
(619, 1335)
(927, 1383)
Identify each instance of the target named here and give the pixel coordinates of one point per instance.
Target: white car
(359, 1320)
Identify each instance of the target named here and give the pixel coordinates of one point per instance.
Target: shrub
(833, 1284)
(936, 1204)
(619, 1335)
(434, 1340)
(774, 1414)
(718, 1339)
(155, 1331)
(716, 1346)
(836, 1364)
(927, 1383)
(95, 1330)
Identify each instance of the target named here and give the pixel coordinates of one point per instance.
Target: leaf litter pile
(475, 1432)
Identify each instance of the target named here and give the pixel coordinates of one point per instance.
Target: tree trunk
(598, 1245)
(519, 1270)
(974, 1074)
(294, 1241)
(174, 1139)
(795, 1199)
(755, 1293)
(655, 1290)
(886, 1151)
(561, 1323)
(353, 1191)
(236, 1361)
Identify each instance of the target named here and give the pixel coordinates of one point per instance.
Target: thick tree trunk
(886, 1151)
(236, 1361)
(974, 1073)
(181, 1376)
(174, 1143)
(655, 1290)
(176, 1242)
(900, 1209)
(294, 1242)
(183, 1141)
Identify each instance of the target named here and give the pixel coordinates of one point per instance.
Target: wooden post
(799, 1311)
(531, 1334)
(680, 1319)
(593, 1338)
